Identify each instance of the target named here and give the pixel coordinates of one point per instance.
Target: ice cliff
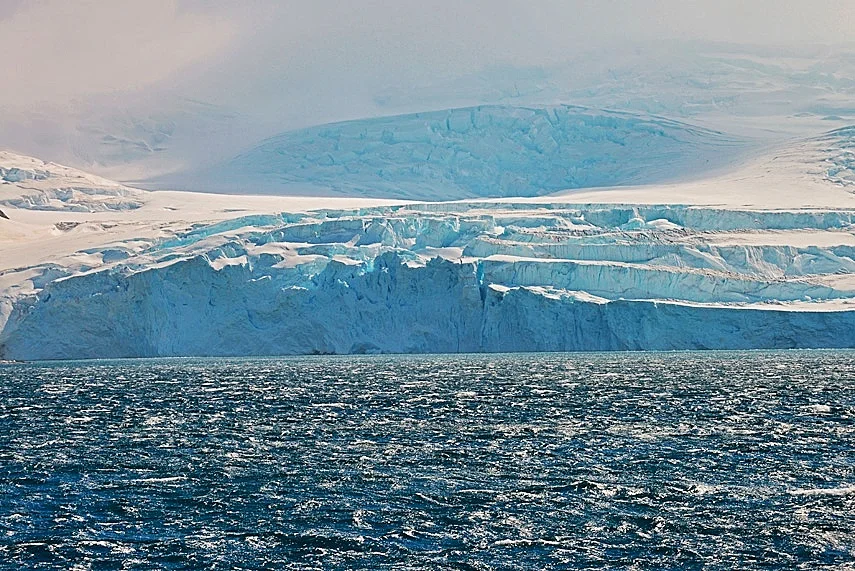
(479, 276)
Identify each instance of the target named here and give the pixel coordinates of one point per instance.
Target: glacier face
(449, 277)
(483, 151)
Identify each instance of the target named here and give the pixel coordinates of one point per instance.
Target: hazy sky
(136, 89)
(60, 49)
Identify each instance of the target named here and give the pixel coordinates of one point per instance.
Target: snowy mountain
(762, 255)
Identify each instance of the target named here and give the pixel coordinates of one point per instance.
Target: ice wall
(190, 308)
(453, 277)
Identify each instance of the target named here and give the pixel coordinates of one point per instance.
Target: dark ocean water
(643, 461)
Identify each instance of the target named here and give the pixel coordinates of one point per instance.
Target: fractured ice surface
(480, 276)
(32, 184)
(840, 159)
(486, 151)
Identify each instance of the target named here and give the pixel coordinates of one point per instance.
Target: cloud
(769, 22)
(79, 72)
(55, 50)
(322, 57)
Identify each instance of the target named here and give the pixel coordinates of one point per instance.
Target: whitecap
(842, 491)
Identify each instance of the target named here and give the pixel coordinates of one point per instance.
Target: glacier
(760, 256)
(481, 151)
(450, 278)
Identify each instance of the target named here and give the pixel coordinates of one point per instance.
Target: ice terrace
(613, 252)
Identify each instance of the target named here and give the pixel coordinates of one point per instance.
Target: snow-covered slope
(484, 151)
(761, 257)
(26, 182)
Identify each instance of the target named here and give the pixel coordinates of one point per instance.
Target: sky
(68, 64)
(60, 49)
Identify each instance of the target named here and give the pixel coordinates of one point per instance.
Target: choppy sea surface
(552, 461)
